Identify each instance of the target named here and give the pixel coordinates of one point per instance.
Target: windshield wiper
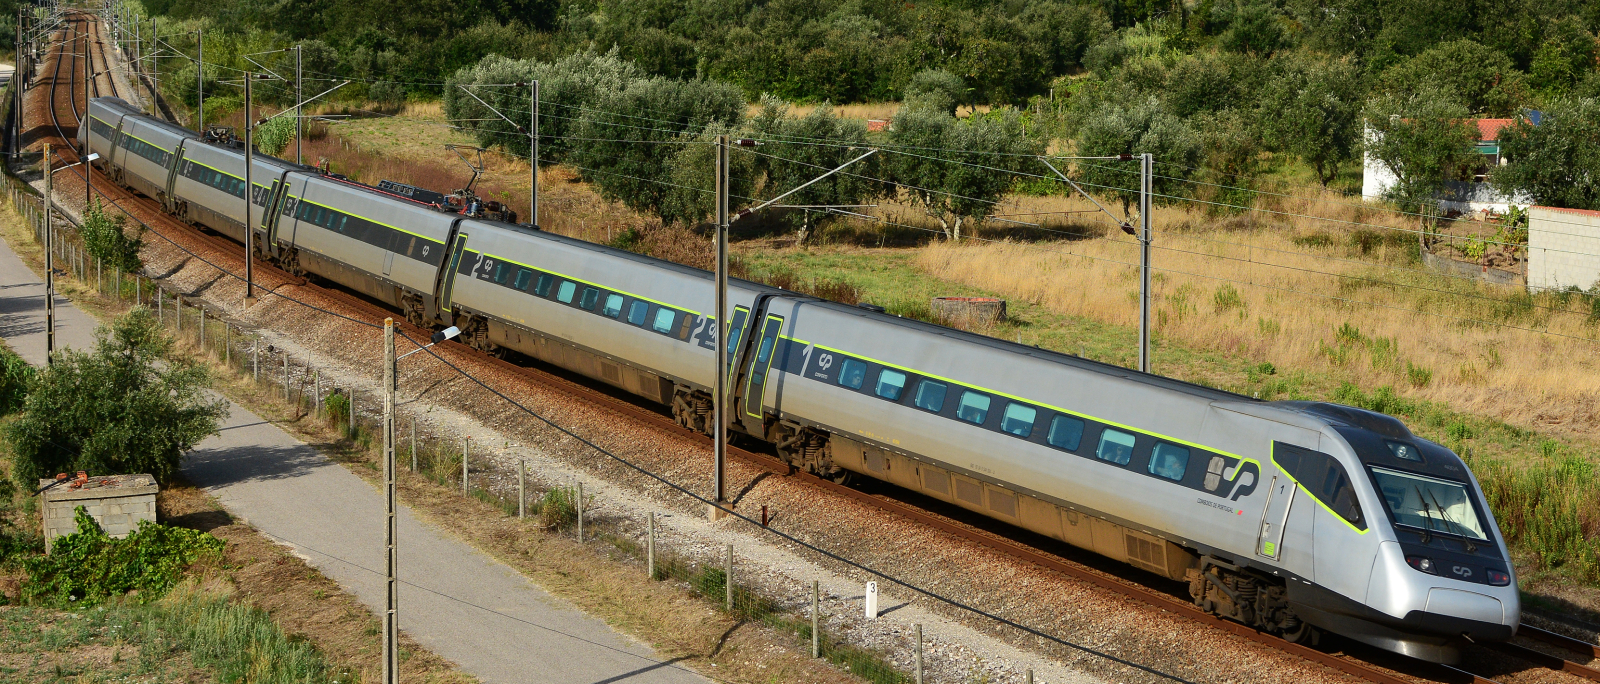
(1427, 532)
(1471, 548)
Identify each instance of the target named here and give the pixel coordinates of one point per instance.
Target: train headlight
(1423, 563)
(1498, 579)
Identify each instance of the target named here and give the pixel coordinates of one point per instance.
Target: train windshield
(1429, 503)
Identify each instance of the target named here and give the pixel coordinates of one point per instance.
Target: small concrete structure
(1563, 248)
(117, 502)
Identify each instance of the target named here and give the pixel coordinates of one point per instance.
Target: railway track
(83, 30)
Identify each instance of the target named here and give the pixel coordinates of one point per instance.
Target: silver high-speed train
(1293, 517)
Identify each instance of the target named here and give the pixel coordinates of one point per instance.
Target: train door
(756, 374)
(1275, 516)
(174, 164)
(451, 266)
(271, 215)
(735, 332)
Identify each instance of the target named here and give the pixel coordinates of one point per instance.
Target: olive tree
(1420, 138)
(956, 170)
(1141, 127)
(1312, 110)
(1557, 162)
(127, 407)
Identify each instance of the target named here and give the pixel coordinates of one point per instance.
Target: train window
(1322, 477)
(613, 306)
(565, 292)
(1115, 446)
(502, 271)
(852, 373)
(930, 395)
(1066, 432)
(974, 407)
(891, 383)
(590, 296)
(664, 320)
(543, 288)
(524, 276)
(1169, 461)
(637, 311)
(1018, 419)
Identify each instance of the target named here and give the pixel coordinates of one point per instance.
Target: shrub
(105, 238)
(273, 137)
(128, 407)
(89, 566)
(14, 377)
(558, 508)
(338, 407)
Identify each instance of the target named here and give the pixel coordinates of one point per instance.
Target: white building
(1563, 248)
(1471, 192)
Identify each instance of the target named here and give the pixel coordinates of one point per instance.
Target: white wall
(1563, 248)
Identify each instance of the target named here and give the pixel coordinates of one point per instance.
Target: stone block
(116, 502)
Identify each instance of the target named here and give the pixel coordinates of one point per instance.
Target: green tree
(795, 158)
(1255, 28)
(106, 238)
(1556, 163)
(15, 374)
(1311, 109)
(1420, 138)
(1142, 127)
(631, 136)
(1565, 59)
(957, 169)
(127, 407)
(937, 89)
(567, 88)
(1481, 78)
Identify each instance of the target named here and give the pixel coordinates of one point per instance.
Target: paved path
(289, 491)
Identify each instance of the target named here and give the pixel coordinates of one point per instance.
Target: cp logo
(825, 361)
(1462, 571)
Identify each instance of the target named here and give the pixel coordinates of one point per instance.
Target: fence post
(286, 396)
(161, 304)
(118, 273)
(202, 309)
(1028, 676)
(413, 444)
(227, 343)
(650, 548)
(180, 313)
(100, 275)
(138, 290)
(255, 355)
(522, 488)
(727, 578)
(316, 390)
(919, 653)
(816, 620)
(579, 508)
(466, 451)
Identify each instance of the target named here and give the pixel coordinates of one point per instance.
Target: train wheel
(1303, 633)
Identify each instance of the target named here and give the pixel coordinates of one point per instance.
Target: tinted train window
(852, 373)
(523, 277)
(1066, 432)
(637, 312)
(613, 305)
(1116, 447)
(974, 407)
(891, 383)
(930, 395)
(543, 288)
(590, 296)
(1018, 419)
(1169, 461)
(1322, 477)
(502, 271)
(664, 320)
(565, 292)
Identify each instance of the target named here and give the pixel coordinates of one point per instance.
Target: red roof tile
(1489, 129)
